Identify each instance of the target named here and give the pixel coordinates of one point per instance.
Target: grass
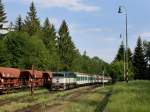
(121, 97)
(23, 100)
(17, 101)
(131, 97)
(90, 102)
(21, 94)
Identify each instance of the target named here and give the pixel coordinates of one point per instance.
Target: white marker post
(103, 78)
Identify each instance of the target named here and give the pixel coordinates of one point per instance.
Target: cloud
(146, 34)
(76, 28)
(84, 30)
(75, 5)
(55, 21)
(143, 35)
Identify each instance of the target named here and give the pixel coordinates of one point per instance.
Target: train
(69, 80)
(13, 78)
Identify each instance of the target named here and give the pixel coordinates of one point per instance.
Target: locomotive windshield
(58, 75)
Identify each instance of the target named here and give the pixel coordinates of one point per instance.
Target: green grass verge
(131, 97)
(23, 100)
(90, 102)
(121, 97)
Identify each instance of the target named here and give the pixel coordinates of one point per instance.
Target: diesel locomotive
(13, 78)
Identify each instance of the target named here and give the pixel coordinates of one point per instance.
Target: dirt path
(3, 102)
(61, 104)
(50, 101)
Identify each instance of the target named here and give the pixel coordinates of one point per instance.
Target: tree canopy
(66, 47)
(2, 13)
(31, 23)
(32, 43)
(139, 61)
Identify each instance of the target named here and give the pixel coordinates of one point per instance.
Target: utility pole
(126, 47)
(103, 78)
(31, 81)
(124, 57)
(103, 72)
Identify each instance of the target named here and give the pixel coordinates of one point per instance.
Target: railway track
(53, 99)
(58, 103)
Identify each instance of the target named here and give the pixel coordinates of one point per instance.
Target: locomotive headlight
(57, 79)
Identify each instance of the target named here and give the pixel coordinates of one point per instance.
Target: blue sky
(94, 25)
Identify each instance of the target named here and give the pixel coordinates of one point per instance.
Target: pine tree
(66, 47)
(2, 14)
(139, 61)
(19, 23)
(32, 23)
(49, 39)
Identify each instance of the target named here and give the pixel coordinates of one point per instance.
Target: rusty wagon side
(35, 78)
(9, 78)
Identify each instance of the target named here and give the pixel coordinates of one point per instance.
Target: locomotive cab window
(58, 75)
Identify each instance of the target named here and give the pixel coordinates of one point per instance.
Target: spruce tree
(139, 61)
(4, 58)
(130, 56)
(148, 72)
(19, 23)
(49, 39)
(2, 14)
(32, 23)
(147, 54)
(85, 63)
(147, 50)
(120, 54)
(66, 47)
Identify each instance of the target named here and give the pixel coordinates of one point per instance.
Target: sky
(95, 26)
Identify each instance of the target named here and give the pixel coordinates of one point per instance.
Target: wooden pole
(31, 81)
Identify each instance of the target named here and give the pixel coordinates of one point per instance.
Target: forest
(32, 43)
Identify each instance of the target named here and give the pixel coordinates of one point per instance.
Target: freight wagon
(12, 78)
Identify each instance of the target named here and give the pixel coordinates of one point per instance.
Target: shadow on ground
(101, 105)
